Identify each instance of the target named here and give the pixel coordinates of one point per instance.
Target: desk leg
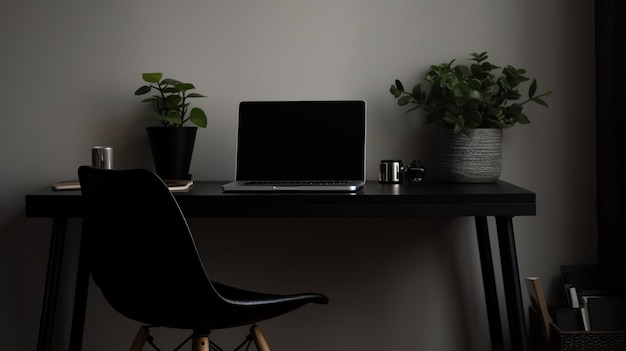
(489, 283)
(512, 285)
(80, 297)
(51, 290)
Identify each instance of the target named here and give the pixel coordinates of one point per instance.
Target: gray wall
(69, 70)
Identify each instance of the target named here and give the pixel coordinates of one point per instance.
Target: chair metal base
(200, 341)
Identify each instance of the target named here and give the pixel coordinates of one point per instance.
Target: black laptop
(300, 146)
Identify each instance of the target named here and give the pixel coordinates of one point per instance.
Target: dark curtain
(610, 16)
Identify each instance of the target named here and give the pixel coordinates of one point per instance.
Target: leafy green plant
(170, 104)
(465, 98)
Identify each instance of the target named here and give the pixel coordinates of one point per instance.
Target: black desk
(206, 199)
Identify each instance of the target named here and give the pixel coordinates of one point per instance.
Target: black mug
(415, 172)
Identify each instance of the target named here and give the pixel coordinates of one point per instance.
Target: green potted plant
(172, 143)
(473, 105)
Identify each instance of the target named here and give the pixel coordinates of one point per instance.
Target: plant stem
(547, 93)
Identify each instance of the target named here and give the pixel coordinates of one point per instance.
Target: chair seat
(240, 307)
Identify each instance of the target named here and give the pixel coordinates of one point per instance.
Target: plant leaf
(474, 83)
(170, 81)
(523, 119)
(399, 85)
(143, 90)
(532, 89)
(396, 92)
(417, 91)
(173, 100)
(412, 109)
(197, 117)
(152, 77)
(151, 99)
(170, 90)
(516, 110)
(404, 100)
(195, 95)
(540, 102)
(184, 86)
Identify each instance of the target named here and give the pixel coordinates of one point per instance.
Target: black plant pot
(172, 149)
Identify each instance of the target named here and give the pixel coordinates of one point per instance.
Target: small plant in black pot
(172, 143)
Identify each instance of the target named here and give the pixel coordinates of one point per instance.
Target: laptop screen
(301, 140)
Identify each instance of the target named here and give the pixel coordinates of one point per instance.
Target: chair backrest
(143, 254)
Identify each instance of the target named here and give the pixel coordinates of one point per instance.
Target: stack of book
(589, 306)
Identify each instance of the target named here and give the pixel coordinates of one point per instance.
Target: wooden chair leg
(200, 342)
(140, 339)
(259, 339)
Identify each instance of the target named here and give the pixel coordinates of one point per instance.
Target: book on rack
(576, 278)
(600, 309)
(603, 312)
(538, 301)
(606, 313)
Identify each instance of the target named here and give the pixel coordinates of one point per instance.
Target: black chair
(144, 260)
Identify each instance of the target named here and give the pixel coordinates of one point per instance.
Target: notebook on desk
(300, 146)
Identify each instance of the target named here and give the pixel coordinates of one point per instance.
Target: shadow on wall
(377, 273)
(24, 247)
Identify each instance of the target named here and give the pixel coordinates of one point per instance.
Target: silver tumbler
(390, 171)
(102, 157)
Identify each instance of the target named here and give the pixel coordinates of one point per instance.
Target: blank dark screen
(301, 140)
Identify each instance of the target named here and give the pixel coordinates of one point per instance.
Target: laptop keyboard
(298, 182)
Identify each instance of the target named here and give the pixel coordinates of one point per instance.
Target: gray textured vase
(476, 158)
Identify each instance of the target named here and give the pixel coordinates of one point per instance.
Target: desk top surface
(206, 199)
